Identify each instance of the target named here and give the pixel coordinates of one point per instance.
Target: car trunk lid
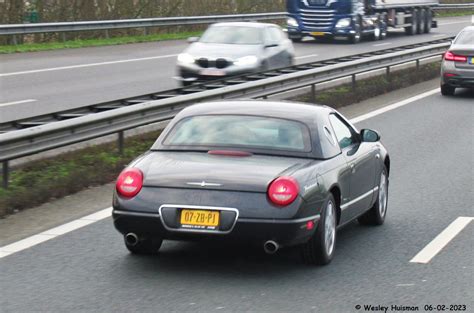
(467, 51)
(222, 172)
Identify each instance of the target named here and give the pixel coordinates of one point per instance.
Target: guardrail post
(15, 41)
(313, 93)
(63, 37)
(388, 74)
(120, 142)
(354, 83)
(145, 31)
(5, 174)
(107, 35)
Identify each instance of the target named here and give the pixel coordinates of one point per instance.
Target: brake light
(129, 182)
(449, 56)
(283, 190)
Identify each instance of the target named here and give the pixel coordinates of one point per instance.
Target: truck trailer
(354, 19)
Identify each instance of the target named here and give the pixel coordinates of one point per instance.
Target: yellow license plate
(317, 34)
(204, 219)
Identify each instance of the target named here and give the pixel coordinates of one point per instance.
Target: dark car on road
(276, 174)
(229, 49)
(457, 68)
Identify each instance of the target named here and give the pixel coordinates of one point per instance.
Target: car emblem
(203, 184)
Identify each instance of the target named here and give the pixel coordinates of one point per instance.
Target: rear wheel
(411, 30)
(421, 21)
(428, 20)
(146, 246)
(376, 214)
(319, 250)
(447, 90)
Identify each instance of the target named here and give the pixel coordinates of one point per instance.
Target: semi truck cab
(354, 19)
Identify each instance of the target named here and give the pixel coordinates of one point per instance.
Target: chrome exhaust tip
(270, 247)
(131, 239)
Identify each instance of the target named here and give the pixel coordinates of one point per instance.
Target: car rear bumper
(286, 232)
(459, 82)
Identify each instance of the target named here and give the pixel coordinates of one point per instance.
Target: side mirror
(369, 135)
(193, 39)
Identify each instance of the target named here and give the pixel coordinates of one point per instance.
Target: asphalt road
(43, 82)
(431, 184)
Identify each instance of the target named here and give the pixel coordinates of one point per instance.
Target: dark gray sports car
(273, 173)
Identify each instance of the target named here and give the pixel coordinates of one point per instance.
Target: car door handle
(377, 156)
(352, 166)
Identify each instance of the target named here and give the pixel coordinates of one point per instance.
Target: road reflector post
(5, 174)
(120, 143)
(313, 93)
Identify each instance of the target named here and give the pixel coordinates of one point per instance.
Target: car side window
(273, 36)
(344, 135)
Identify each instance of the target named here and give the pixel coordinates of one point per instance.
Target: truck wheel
(411, 30)
(377, 35)
(296, 39)
(428, 20)
(383, 27)
(355, 38)
(421, 21)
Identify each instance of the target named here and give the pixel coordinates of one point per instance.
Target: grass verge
(371, 87)
(40, 181)
(33, 47)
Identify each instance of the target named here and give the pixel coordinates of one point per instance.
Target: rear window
(465, 38)
(232, 35)
(240, 131)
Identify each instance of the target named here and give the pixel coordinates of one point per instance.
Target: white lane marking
(86, 65)
(17, 102)
(382, 44)
(437, 244)
(450, 23)
(394, 106)
(306, 56)
(54, 232)
(92, 218)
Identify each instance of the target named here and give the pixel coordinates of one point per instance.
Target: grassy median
(40, 181)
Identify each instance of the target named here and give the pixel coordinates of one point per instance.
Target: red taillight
(129, 182)
(449, 56)
(283, 190)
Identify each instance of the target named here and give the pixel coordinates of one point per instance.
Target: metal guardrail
(23, 29)
(33, 140)
(18, 29)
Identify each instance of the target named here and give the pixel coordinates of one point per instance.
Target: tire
(296, 39)
(377, 35)
(428, 21)
(421, 21)
(185, 83)
(147, 246)
(319, 250)
(411, 30)
(383, 27)
(447, 90)
(358, 34)
(377, 213)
